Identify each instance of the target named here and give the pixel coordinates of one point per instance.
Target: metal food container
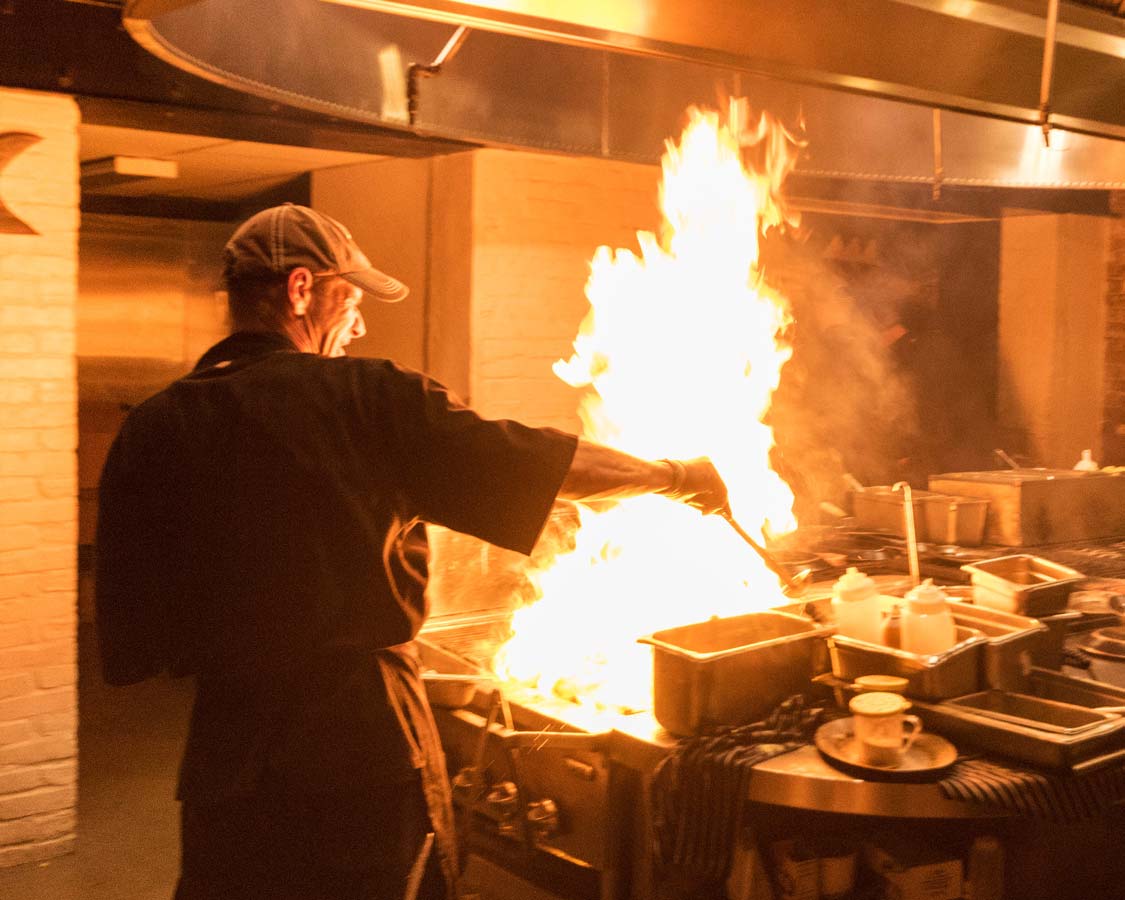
(731, 671)
(451, 691)
(1049, 653)
(1027, 585)
(1036, 712)
(882, 508)
(954, 520)
(1031, 507)
(1013, 641)
(955, 672)
(1060, 723)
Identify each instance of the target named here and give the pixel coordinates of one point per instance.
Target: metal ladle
(794, 586)
(911, 531)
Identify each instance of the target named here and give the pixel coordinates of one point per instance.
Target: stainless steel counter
(802, 779)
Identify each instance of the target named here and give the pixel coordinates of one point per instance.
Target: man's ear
(300, 290)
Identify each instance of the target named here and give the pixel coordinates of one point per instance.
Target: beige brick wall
(38, 483)
(533, 222)
(537, 220)
(1114, 438)
(1052, 312)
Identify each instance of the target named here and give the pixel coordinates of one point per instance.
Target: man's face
(334, 314)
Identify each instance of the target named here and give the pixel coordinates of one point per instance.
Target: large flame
(681, 351)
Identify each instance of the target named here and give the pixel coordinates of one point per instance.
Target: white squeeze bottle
(927, 623)
(855, 606)
(1086, 463)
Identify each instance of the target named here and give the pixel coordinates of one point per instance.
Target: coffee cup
(883, 732)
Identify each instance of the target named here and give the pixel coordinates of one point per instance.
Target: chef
(261, 528)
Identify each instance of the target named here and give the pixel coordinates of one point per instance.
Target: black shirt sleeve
(134, 573)
(495, 479)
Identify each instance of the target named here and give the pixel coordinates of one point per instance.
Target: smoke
(845, 403)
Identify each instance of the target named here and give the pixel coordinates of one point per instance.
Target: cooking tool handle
(911, 532)
(1006, 459)
(794, 586)
(1097, 762)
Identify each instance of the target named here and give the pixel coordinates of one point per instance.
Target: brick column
(38, 490)
(1114, 436)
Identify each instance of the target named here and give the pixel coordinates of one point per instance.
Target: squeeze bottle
(855, 606)
(927, 623)
(1086, 463)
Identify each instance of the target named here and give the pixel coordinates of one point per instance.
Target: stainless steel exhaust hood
(944, 91)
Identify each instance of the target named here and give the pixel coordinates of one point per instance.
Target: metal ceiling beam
(621, 90)
(979, 56)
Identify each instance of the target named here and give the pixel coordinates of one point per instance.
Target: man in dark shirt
(260, 527)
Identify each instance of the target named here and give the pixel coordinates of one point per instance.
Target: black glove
(696, 482)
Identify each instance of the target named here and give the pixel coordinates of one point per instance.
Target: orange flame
(681, 351)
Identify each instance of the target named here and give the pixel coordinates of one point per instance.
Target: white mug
(883, 734)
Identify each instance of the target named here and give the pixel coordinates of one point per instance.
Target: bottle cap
(891, 684)
(853, 585)
(927, 597)
(878, 703)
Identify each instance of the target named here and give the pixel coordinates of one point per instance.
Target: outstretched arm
(599, 472)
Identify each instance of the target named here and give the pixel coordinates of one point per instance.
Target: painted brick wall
(537, 220)
(534, 222)
(1114, 436)
(38, 486)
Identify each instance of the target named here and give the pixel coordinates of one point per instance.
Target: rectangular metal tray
(1013, 641)
(1099, 745)
(955, 672)
(1023, 584)
(1035, 712)
(731, 671)
(1034, 507)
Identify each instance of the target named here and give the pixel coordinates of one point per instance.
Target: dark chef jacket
(260, 527)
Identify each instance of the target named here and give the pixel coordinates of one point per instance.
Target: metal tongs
(794, 586)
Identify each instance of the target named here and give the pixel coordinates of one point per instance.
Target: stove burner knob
(544, 817)
(504, 801)
(467, 785)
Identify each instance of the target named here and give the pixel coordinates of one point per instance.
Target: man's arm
(598, 472)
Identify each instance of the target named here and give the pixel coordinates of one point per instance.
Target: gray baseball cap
(281, 238)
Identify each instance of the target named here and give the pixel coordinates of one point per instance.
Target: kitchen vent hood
(923, 91)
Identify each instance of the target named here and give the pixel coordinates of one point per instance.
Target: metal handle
(911, 533)
(795, 585)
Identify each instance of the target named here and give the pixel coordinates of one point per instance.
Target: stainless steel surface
(872, 46)
(1097, 745)
(882, 508)
(955, 520)
(1107, 642)
(949, 674)
(1052, 685)
(618, 99)
(451, 691)
(1024, 584)
(1036, 507)
(730, 671)
(1012, 642)
(1033, 712)
(803, 780)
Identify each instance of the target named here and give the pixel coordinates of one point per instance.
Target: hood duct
(918, 91)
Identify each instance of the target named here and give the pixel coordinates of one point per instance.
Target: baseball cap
(281, 238)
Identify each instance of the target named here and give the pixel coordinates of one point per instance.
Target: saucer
(926, 759)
